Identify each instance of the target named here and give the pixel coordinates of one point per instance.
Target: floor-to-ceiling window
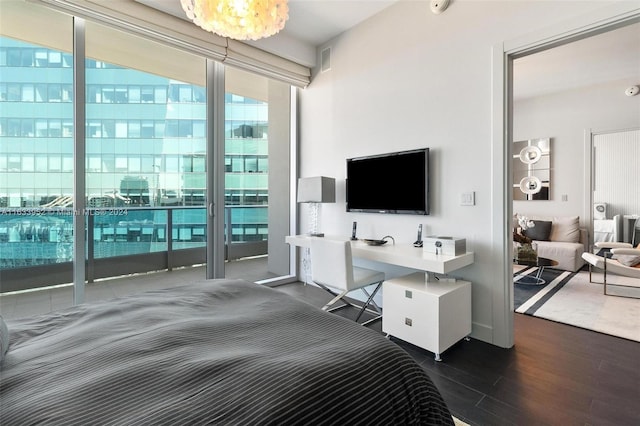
(145, 156)
(257, 172)
(36, 145)
(145, 146)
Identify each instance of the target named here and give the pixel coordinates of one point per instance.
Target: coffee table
(537, 279)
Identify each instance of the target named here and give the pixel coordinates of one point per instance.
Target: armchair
(608, 264)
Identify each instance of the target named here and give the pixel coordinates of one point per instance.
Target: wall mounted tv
(396, 182)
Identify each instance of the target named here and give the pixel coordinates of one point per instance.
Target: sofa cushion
(568, 255)
(627, 260)
(540, 231)
(565, 229)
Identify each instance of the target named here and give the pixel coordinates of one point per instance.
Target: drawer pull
(408, 321)
(408, 294)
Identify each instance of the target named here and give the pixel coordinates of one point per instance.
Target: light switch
(468, 199)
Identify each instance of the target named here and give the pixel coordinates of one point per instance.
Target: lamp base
(316, 234)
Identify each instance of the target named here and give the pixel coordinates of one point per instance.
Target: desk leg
(306, 264)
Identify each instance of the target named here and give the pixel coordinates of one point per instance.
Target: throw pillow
(565, 229)
(627, 260)
(4, 338)
(540, 231)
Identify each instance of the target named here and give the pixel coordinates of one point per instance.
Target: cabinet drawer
(400, 301)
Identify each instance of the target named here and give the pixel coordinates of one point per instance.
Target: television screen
(396, 182)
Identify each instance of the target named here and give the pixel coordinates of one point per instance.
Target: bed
(225, 352)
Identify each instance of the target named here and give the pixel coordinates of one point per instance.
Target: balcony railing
(36, 245)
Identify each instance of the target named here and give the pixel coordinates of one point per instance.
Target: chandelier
(238, 19)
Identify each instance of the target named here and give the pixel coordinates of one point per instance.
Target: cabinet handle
(408, 294)
(408, 321)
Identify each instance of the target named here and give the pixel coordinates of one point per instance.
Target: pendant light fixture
(238, 19)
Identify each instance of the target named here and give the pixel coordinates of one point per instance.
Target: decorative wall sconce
(531, 169)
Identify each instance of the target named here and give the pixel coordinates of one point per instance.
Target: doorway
(504, 57)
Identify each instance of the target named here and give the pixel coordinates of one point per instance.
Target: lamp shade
(318, 189)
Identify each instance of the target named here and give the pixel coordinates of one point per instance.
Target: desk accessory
(449, 246)
(418, 242)
(379, 242)
(374, 242)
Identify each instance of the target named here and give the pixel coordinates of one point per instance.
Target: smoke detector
(439, 6)
(632, 91)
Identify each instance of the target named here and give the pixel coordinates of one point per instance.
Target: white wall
(565, 117)
(407, 78)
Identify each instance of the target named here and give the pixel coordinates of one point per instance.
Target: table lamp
(313, 191)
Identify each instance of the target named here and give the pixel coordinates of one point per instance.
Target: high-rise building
(145, 151)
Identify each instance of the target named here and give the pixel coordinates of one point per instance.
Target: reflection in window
(134, 95)
(121, 129)
(138, 123)
(28, 93)
(13, 92)
(121, 164)
(28, 128)
(55, 128)
(134, 129)
(13, 127)
(172, 164)
(55, 93)
(67, 163)
(55, 163)
(41, 93)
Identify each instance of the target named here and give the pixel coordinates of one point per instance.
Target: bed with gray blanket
(224, 352)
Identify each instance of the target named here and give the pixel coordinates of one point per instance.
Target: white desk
(396, 254)
(432, 315)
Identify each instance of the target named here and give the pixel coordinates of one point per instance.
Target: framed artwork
(531, 169)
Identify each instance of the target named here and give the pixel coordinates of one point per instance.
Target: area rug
(459, 422)
(569, 298)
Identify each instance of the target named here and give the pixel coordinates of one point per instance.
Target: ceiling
(611, 56)
(607, 57)
(311, 21)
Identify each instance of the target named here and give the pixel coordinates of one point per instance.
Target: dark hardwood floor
(555, 374)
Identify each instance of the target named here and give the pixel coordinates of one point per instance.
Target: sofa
(559, 238)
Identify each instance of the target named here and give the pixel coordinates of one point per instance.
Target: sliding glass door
(145, 153)
(257, 176)
(131, 182)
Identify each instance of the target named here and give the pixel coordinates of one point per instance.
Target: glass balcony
(36, 245)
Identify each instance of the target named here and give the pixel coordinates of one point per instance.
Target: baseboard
(482, 332)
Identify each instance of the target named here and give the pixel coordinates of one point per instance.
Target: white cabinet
(432, 315)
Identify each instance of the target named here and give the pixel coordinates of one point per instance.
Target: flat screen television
(396, 183)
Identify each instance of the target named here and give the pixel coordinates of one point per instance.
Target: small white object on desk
(449, 246)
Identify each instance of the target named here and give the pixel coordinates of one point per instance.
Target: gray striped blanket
(217, 352)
